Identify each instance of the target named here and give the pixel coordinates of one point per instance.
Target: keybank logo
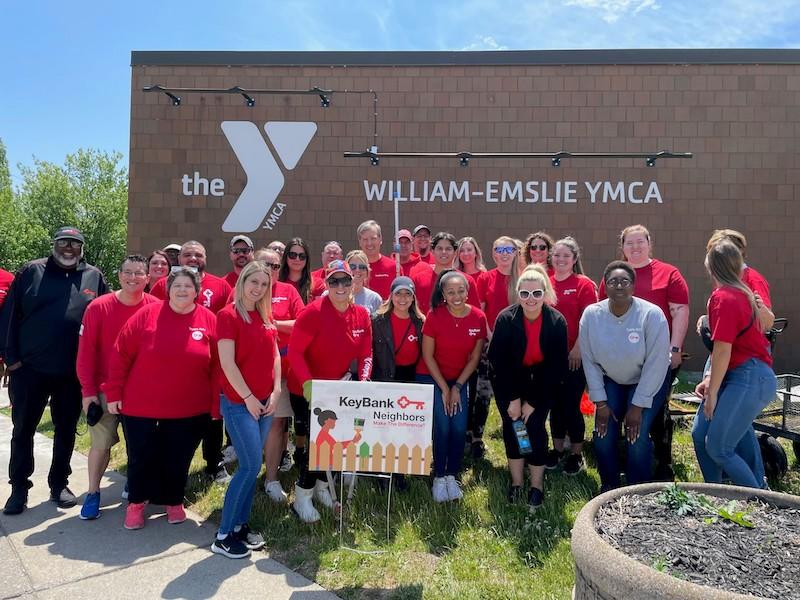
(264, 176)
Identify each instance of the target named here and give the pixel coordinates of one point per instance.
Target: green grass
(480, 548)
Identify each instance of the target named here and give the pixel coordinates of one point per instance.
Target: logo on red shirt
(473, 332)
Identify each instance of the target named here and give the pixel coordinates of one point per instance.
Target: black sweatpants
(537, 432)
(212, 445)
(480, 396)
(302, 427)
(29, 391)
(661, 433)
(160, 452)
(565, 413)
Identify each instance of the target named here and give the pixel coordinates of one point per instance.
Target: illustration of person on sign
(327, 421)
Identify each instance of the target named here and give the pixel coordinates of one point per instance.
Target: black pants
(29, 391)
(565, 414)
(661, 434)
(302, 420)
(160, 452)
(537, 432)
(480, 396)
(212, 445)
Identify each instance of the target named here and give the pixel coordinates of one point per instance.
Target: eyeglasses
(241, 250)
(505, 249)
(340, 282)
(540, 247)
(358, 267)
(273, 266)
(297, 255)
(525, 294)
(138, 274)
(178, 269)
(618, 283)
(69, 243)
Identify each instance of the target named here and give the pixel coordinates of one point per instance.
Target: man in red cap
(408, 258)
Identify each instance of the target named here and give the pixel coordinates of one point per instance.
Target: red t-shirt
(424, 278)
(5, 282)
(286, 306)
(493, 293)
(214, 292)
(382, 274)
(317, 288)
(659, 283)
(573, 295)
(325, 341)
(729, 312)
(405, 268)
(428, 258)
(409, 351)
(756, 282)
(231, 279)
(162, 365)
(533, 351)
(455, 339)
(254, 352)
(102, 322)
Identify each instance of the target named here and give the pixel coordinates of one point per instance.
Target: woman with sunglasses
(741, 381)
(528, 353)
(469, 258)
(295, 270)
(250, 381)
(452, 341)
(158, 266)
(624, 344)
(286, 307)
(574, 292)
(538, 247)
(163, 423)
(425, 275)
(329, 335)
(362, 295)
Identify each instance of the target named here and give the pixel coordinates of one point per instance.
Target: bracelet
(248, 395)
(458, 386)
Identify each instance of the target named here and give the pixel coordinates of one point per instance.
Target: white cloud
(484, 42)
(612, 10)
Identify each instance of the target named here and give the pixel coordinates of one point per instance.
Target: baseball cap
(69, 233)
(404, 233)
(242, 238)
(337, 266)
(419, 228)
(403, 283)
(176, 247)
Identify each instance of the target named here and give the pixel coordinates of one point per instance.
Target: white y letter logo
(264, 176)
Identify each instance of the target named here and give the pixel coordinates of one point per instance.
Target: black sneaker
(535, 498)
(252, 539)
(514, 494)
(553, 459)
(573, 465)
(478, 450)
(230, 547)
(64, 498)
(17, 501)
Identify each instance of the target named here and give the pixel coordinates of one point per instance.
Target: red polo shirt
(729, 312)
(424, 278)
(455, 339)
(214, 292)
(382, 273)
(573, 295)
(493, 293)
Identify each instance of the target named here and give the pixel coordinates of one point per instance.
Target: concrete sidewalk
(47, 552)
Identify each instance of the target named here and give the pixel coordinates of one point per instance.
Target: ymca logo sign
(264, 176)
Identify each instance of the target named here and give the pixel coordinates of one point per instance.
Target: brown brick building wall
(740, 119)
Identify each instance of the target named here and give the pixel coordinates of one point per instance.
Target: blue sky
(66, 65)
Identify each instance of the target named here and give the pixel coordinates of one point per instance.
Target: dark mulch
(763, 561)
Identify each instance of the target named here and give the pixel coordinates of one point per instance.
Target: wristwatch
(676, 349)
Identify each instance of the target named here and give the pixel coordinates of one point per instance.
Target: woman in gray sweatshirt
(625, 351)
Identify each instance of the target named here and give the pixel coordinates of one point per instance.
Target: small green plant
(660, 564)
(729, 512)
(685, 503)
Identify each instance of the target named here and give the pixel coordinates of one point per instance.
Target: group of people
(184, 358)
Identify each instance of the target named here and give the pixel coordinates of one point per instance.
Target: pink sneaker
(134, 516)
(176, 514)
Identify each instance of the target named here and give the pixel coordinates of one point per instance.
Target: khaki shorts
(284, 407)
(104, 434)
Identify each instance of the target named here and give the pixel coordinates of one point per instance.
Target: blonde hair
(263, 306)
(537, 274)
(359, 254)
(724, 262)
(513, 275)
(478, 254)
(737, 237)
(633, 229)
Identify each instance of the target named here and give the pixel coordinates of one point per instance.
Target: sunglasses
(69, 243)
(540, 247)
(178, 269)
(241, 250)
(273, 266)
(618, 283)
(297, 255)
(525, 294)
(358, 267)
(340, 282)
(505, 249)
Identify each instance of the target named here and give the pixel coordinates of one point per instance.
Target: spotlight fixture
(249, 100)
(463, 161)
(176, 100)
(650, 161)
(556, 161)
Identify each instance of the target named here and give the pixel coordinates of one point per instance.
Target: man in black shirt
(39, 329)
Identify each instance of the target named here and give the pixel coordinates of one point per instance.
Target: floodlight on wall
(556, 162)
(463, 161)
(247, 94)
(650, 161)
(249, 100)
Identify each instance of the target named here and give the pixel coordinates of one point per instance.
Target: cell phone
(94, 414)
(523, 441)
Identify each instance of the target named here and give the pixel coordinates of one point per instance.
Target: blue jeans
(248, 436)
(727, 442)
(640, 454)
(448, 432)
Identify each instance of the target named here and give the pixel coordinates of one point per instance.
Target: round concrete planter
(604, 573)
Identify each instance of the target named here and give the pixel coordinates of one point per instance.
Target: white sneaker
(453, 488)
(275, 492)
(302, 505)
(440, 494)
(222, 476)
(322, 494)
(229, 455)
